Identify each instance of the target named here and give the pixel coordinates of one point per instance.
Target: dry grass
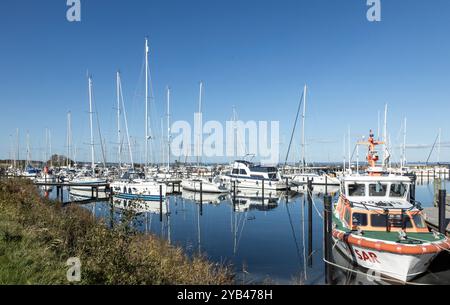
(37, 236)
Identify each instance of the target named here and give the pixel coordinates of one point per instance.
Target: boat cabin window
(377, 190)
(357, 190)
(360, 219)
(235, 171)
(272, 176)
(242, 172)
(378, 220)
(398, 190)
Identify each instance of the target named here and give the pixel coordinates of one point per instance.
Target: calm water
(262, 240)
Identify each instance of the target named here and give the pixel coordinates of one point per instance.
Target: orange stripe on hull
(431, 248)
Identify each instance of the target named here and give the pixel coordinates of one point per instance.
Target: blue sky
(255, 55)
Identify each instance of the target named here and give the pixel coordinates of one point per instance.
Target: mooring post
(310, 226)
(160, 203)
(92, 192)
(57, 191)
(96, 192)
(413, 188)
(327, 234)
(441, 206)
(201, 198)
(326, 184)
(62, 194)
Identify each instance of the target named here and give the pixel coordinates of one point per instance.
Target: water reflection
(279, 236)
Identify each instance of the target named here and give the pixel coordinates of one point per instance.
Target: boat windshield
(398, 190)
(357, 190)
(377, 190)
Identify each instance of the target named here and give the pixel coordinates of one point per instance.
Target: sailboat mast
(439, 146)
(303, 129)
(200, 102)
(349, 150)
(69, 138)
(404, 144)
(146, 100)
(18, 146)
(119, 152)
(50, 147)
(91, 126)
(168, 129)
(385, 139)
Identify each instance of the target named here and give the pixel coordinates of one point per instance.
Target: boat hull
(401, 267)
(206, 187)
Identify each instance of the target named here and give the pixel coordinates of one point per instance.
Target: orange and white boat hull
(402, 267)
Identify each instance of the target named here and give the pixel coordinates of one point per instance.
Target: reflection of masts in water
(168, 220)
(293, 231)
(199, 243)
(237, 227)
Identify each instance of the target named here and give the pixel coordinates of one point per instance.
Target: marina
(233, 143)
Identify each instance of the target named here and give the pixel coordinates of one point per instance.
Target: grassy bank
(37, 236)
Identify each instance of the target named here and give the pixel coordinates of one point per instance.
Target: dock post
(62, 194)
(326, 184)
(92, 192)
(96, 192)
(310, 226)
(413, 188)
(57, 191)
(201, 198)
(441, 204)
(327, 236)
(160, 203)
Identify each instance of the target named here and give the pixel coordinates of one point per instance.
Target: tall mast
(385, 139)
(303, 129)
(168, 129)
(28, 149)
(349, 150)
(200, 104)
(404, 144)
(439, 146)
(18, 146)
(69, 138)
(91, 126)
(119, 86)
(50, 147)
(119, 140)
(146, 100)
(46, 146)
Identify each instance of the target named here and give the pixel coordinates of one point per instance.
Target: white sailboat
(85, 177)
(303, 177)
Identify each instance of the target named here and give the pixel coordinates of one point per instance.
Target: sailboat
(303, 177)
(88, 177)
(378, 225)
(133, 185)
(197, 183)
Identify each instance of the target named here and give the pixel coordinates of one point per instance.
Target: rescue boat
(378, 225)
